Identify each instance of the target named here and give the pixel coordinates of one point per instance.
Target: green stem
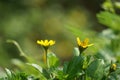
(19, 48)
(46, 52)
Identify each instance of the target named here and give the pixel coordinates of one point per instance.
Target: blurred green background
(26, 21)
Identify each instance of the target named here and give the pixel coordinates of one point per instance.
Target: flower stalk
(46, 44)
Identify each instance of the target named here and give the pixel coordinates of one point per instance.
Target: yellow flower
(45, 43)
(83, 44)
(113, 67)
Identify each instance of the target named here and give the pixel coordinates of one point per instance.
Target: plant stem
(46, 52)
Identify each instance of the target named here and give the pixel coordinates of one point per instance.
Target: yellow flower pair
(82, 45)
(47, 43)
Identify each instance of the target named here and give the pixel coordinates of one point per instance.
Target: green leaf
(96, 69)
(109, 19)
(108, 6)
(15, 76)
(87, 60)
(53, 61)
(74, 67)
(117, 4)
(36, 66)
(8, 72)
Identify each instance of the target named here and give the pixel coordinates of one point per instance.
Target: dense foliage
(104, 64)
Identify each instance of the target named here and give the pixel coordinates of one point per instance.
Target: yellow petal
(86, 41)
(78, 41)
(46, 41)
(38, 42)
(90, 44)
(42, 43)
(51, 42)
